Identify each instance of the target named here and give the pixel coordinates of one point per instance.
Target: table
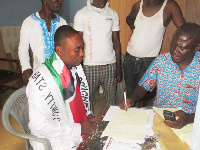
(92, 140)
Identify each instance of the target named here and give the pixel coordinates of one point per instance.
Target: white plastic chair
(17, 106)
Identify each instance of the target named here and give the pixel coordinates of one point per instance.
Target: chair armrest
(9, 60)
(16, 61)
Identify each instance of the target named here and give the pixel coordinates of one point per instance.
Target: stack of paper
(129, 125)
(126, 129)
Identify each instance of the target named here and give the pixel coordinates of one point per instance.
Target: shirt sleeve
(23, 50)
(41, 122)
(115, 26)
(78, 21)
(149, 80)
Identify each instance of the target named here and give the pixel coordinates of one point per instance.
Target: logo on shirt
(108, 19)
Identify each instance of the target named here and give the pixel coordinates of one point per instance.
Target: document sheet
(128, 125)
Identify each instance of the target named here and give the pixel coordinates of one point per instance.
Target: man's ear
(197, 47)
(59, 50)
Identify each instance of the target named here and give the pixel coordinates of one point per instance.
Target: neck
(184, 64)
(153, 2)
(46, 14)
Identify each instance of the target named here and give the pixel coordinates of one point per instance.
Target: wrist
(190, 118)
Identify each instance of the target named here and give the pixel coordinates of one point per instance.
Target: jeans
(134, 69)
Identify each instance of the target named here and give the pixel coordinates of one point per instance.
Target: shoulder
(62, 21)
(163, 57)
(135, 9)
(172, 4)
(29, 21)
(136, 6)
(82, 11)
(112, 12)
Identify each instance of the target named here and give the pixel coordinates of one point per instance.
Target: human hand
(26, 75)
(118, 75)
(86, 126)
(125, 106)
(91, 118)
(180, 122)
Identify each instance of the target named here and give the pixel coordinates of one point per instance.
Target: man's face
(72, 51)
(54, 5)
(182, 49)
(99, 3)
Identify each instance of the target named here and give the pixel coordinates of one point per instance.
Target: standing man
(58, 94)
(37, 31)
(99, 26)
(148, 19)
(175, 75)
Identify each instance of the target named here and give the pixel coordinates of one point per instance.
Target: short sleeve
(78, 21)
(116, 26)
(149, 80)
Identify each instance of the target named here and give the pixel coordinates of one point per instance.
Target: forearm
(138, 94)
(117, 48)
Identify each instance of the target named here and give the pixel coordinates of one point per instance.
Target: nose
(177, 49)
(81, 52)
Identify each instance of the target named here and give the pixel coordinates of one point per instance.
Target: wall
(13, 12)
(75, 5)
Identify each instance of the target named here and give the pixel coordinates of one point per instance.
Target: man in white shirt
(58, 94)
(37, 32)
(99, 26)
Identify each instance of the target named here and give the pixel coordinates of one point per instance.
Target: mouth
(175, 57)
(59, 6)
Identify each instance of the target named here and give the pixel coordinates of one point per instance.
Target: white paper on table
(109, 114)
(129, 125)
(111, 111)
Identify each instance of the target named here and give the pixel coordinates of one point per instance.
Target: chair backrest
(17, 106)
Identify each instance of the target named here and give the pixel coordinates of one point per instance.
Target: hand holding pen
(125, 103)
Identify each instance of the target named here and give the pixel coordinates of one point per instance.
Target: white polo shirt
(97, 26)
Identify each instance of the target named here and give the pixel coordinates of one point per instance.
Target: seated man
(58, 94)
(176, 75)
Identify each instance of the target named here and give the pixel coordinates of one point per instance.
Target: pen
(125, 99)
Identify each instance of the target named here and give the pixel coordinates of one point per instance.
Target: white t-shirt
(34, 33)
(148, 34)
(97, 26)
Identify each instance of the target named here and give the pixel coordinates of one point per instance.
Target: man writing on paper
(58, 94)
(176, 75)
